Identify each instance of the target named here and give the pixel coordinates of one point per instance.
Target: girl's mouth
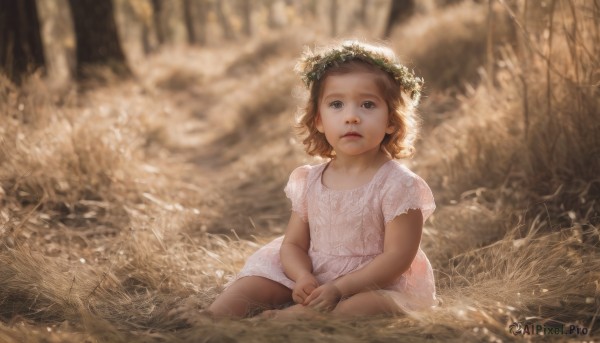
(352, 134)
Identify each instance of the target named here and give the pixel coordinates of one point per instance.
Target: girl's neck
(345, 173)
(361, 163)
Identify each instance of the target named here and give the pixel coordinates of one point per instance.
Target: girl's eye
(369, 104)
(336, 104)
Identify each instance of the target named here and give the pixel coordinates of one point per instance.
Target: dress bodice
(352, 222)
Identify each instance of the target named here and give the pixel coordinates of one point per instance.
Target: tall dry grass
(533, 137)
(518, 166)
(122, 203)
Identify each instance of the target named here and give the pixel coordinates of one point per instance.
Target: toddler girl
(352, 242)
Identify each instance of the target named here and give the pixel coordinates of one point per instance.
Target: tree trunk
(362, 13)
(224, 21)
(97, 38)
(141, 11)
(202, 21)
(247, 17)
(21, 50)
(146, 41)
(306, 8)
(401, 9)
(333, 12)
(188, 18)
(157, 11)
(277, 17)
(195, 14)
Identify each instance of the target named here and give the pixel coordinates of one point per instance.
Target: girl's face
(353, 114)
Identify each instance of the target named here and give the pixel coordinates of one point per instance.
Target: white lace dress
(347, 230)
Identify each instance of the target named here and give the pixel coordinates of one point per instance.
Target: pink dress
(347, 230)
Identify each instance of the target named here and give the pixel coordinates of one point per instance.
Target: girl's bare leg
(361, 304)
(367, 304)
(248, 295)
(294, 311)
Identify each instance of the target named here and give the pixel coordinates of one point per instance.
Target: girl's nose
(352, 117)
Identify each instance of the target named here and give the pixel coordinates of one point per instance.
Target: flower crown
(313, 65)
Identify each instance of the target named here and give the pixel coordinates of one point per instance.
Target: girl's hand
(305, 285)
(324, 298)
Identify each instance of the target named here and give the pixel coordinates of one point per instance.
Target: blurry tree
(170, 20)
(362, 13)
(277, 17)
(58, 40)
(159, 23)
(96, 38)
(333, 17)
(21, 50)
(339, 18)
(142, 12)
(370, 15)
(224, 16)
(248, 24)
(401, 10)
(189, 21)
(306, 8)
(195, 14)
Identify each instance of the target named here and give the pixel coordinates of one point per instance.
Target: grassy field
(122, 202)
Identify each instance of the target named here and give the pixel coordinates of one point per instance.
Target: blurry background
(144, 146)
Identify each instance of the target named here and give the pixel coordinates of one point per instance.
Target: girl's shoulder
(399, 171)
(307, 173)
(307, 170)
(403, 189)
(398, 175)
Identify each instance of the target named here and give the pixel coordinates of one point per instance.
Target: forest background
(144, 146)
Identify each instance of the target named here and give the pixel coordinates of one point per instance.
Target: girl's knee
(249, 295)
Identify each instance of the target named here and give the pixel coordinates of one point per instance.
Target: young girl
(352, 242)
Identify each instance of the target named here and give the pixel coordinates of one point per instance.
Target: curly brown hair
(401, 105)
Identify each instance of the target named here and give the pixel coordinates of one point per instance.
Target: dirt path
(234, 132)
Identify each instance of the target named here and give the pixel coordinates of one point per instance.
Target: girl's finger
(298, 298)
(308, 299)
(309, 296)
(303, 295)
(308, 289)
(314, 302)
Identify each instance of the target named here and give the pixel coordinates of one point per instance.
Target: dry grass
(121, 203)
(448, 45)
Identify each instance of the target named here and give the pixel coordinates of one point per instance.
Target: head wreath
(313, 65)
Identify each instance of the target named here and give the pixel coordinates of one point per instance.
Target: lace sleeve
(296, 189)
(407, 192)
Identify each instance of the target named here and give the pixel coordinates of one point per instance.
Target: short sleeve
(296, 190)
(406, 192)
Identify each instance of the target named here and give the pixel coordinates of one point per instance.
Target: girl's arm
(297, 265)
(401, 243)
